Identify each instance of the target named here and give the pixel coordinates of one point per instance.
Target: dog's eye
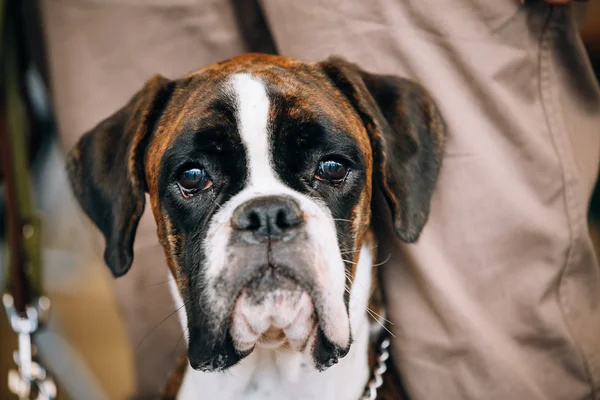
(193, 180)
(331, 171)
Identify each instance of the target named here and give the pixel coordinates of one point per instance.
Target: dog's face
(260, 172)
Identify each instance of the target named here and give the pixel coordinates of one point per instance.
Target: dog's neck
(275, 374)
(268, 374)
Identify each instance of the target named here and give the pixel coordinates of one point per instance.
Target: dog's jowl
(261, 172)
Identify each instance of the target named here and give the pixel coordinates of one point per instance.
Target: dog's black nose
(268, 218)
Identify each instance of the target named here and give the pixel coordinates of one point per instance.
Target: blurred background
(85, 344)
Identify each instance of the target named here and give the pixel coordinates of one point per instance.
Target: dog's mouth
(273, 311)
(277, 307)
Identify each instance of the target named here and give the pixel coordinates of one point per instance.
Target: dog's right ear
(106, 170)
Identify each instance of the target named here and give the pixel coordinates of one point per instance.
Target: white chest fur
(270, 374)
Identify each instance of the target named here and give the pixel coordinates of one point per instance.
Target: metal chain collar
(31, 378)
(380, 368)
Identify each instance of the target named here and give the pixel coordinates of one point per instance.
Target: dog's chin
(283, 318)
(274, 311)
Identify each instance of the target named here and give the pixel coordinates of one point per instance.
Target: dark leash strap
(25, 305)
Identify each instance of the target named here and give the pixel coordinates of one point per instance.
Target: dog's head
(260, 172)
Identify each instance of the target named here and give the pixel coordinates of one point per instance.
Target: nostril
(253, 221)
(284, 219)
(281, 219)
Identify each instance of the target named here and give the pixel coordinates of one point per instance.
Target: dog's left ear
(407, 136)
(106, 170)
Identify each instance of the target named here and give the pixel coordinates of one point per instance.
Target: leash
(26, 307)
(380, 368)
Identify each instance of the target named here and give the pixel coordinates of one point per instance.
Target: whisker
(384, 261)
(353, 281)
(159, 324)
(159, 283)
(179, 341)
(357, 250)
(379, 316)
(376, 317)
(214, 201)
(380, 323)
(350, 277)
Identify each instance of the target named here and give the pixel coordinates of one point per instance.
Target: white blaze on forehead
(252, 104)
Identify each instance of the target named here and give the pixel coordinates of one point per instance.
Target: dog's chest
(267, 375)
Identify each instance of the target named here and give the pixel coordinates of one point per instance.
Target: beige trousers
(500, 298)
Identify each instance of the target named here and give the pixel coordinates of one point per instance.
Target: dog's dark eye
(193, 180)
(331, 171)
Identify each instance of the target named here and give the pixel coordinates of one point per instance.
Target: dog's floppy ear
(407, 136)
(106, 170)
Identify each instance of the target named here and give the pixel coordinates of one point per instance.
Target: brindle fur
(393, 121)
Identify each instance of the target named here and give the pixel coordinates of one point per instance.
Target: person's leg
(500, 298)
(101, 52)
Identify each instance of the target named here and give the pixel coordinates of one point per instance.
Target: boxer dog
(262, 173)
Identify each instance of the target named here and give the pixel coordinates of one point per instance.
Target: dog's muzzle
(273, 308)
(280, 285)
